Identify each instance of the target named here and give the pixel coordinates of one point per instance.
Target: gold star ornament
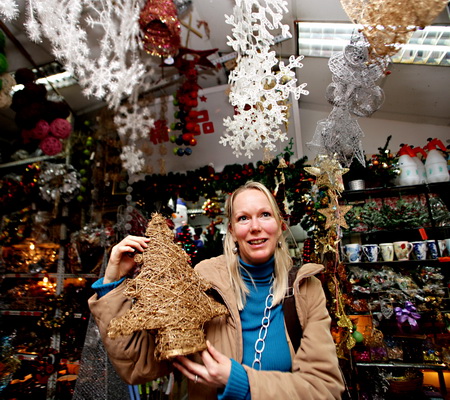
(335, 215)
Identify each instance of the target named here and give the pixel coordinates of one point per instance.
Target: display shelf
(409, 279)
(438, 367)
(400, 364)
(26, 356)
(400, 262)
(49, 275)
(407, 231)
(32, 160)
(21, 313)
(395, 191)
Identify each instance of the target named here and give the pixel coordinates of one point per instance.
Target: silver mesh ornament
(353, 92)
(97, 379)
(338, 136)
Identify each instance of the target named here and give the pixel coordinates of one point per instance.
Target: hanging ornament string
(188, 62)
(259, 94)
(112, 71)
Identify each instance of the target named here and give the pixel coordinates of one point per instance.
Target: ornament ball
(358, 336)
(179, 140)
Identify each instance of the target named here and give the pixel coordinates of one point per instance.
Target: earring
(279, 245)
(235, 249)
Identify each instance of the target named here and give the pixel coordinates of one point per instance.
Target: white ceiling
(413, 93)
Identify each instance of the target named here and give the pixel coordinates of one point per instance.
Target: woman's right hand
(120, 261)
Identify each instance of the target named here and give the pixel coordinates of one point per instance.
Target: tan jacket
(315, 373)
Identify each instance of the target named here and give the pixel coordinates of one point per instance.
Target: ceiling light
(57, 81)
(430, 46)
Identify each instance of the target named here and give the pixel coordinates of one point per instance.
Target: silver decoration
(97, 379)
(353, 93)
(338, 136)
(183, 6)
(260, 343)
(58, 182)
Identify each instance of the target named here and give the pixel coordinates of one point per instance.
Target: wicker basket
(405, 385)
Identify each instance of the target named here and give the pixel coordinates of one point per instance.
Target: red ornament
(187, 137)
(190, 126)
(188, 59)
(159, 22)
(160, 132)
(51, 146)
(40, 131)
(60, 128)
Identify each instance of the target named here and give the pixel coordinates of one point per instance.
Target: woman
(249, 354)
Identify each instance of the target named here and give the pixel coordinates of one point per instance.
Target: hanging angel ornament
(169, 298)
(353, 93)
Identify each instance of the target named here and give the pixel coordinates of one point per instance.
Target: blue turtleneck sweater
(276, 355)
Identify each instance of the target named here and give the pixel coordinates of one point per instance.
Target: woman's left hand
(215, 371)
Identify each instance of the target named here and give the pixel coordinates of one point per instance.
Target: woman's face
(254, 227)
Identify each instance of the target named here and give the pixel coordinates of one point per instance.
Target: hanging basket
(406, 384)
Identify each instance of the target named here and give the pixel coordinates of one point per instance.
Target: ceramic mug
(420, 250)
(447, 245)
(402, 250)
(441, 245)
(387, 251)
(371, 251)
(432, 249)
(353, 252)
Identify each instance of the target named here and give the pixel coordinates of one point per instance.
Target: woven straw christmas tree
(169, 297)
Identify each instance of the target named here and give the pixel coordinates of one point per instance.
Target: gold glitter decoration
(321, 177)
(388, 24)
(335, 215)
(170, 298)
(162, 166)
(328, 172)
(162, 149)
(344, 323)
(268, 156)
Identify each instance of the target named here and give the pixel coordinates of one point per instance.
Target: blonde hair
(283, 260)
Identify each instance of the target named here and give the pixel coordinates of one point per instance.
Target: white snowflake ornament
(258, 94)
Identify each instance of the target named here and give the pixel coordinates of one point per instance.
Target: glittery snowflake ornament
(258, 93)
(9, 9)
(108, 67)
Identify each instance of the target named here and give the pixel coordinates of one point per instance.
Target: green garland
(208, 183)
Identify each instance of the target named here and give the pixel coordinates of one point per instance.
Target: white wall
(376, 131)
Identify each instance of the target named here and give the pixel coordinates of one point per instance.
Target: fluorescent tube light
(59, 80)
(430, 46)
